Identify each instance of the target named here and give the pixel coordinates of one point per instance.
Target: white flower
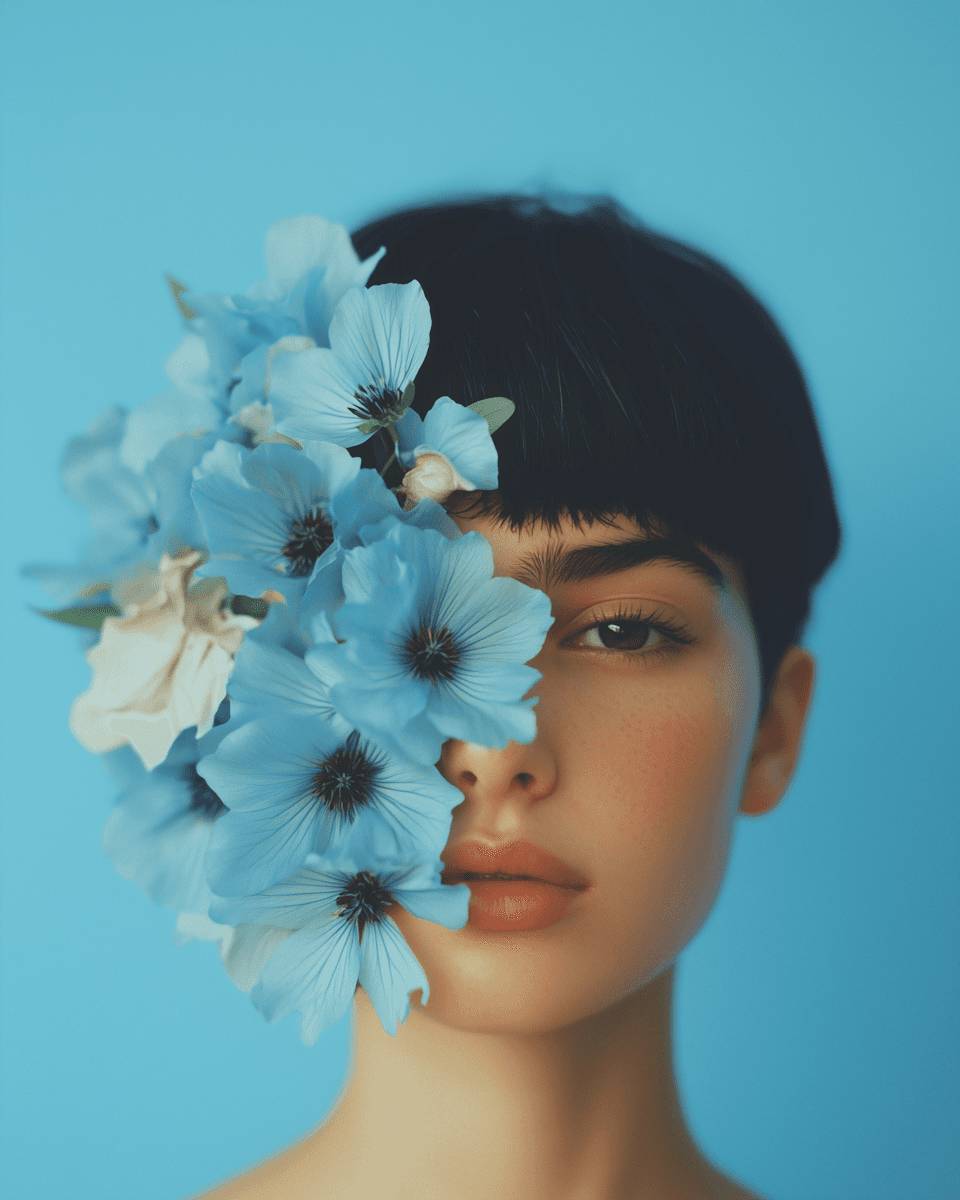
(433, 478)
(162, 666)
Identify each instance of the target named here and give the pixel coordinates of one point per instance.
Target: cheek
(657, 778)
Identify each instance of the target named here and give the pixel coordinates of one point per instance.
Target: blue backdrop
(809, 143)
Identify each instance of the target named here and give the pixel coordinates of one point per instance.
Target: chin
(533, 982)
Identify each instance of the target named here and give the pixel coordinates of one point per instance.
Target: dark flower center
(432, 654)
(309, 537)
(203, 799)
(364, 900)
(346, 779)
(377, 404)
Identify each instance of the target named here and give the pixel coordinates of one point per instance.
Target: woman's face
(646, 715)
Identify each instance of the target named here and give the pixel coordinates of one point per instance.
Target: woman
(664, 483)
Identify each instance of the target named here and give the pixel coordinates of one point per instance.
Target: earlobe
(776, 746)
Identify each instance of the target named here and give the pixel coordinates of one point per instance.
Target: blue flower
(456, 433)
(343, 934)
(169, 416)
(362, 515)
(310, 263)
(136, 515)
(434, 645)
(159, 831)
(297, 785)
(267, 513)
(378, 339)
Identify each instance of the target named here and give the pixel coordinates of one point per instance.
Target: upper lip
(514, 860)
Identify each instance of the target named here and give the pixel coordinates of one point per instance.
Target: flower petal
(444, 904)
(248, 950)
(381, 334)
(314, 972)
(389, 972)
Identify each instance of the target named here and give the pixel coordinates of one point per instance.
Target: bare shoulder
(285, 1177)
(714, 1185)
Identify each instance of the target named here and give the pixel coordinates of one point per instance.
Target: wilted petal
(159, 668)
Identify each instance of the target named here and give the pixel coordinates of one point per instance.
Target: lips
(516, 887)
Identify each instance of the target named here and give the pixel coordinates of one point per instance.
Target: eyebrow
(546, 568)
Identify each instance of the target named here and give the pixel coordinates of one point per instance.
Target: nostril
(524, 779)
(468, 778)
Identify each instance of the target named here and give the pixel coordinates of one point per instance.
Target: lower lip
(517, 905)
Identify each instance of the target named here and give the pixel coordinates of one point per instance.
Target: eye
(620, 634)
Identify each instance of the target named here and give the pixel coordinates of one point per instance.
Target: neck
(587, 1111)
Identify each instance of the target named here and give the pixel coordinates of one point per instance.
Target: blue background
(810, 144)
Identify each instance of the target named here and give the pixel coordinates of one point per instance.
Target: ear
(776, 745)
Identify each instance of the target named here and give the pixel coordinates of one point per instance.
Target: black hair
(648, 381)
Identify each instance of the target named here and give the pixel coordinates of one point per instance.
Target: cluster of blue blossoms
(282, 641)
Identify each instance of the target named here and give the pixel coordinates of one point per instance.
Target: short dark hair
(648, 381)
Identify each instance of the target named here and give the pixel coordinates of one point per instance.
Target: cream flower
(162, 666)
(433, 478)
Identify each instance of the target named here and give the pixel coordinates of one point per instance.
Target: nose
(517, 774)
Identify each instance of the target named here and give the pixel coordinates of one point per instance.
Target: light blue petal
(312, 254)
(445, 905)
(307, 896)
(224, 458)
(500, 620)
(248, 951)
(462, 437)
(241, 523)
(338, 468)
(409, 437)
(269, 679)
(371, 573)
(483, 723)
(264, 758)
(301, 480)
(154, 839)
(305, 402)
(324, 590)
(253, 579)
(169, 476)
(366, 501)
(251, 850)
(152, 425)
(253, 379)
(314, 972)
(381, 334)
(389, 972)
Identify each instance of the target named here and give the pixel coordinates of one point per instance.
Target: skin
(541, 1068)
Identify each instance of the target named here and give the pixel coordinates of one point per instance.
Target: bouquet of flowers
(282, 641)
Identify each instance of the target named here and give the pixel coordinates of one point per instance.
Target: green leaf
(368, 427)
(495, 410)
(178, 289)
(249, 606)
(91, 616)
(407, 398)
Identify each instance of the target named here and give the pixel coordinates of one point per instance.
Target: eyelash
(673, 633)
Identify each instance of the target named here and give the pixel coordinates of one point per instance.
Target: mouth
(451, 877)
(513, 888)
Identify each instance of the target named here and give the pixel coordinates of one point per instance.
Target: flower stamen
(345, 781)
(310, 536)
(378, 403)
(364, 900)
(432, 654)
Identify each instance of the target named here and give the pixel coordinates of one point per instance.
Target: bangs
(647, 380)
